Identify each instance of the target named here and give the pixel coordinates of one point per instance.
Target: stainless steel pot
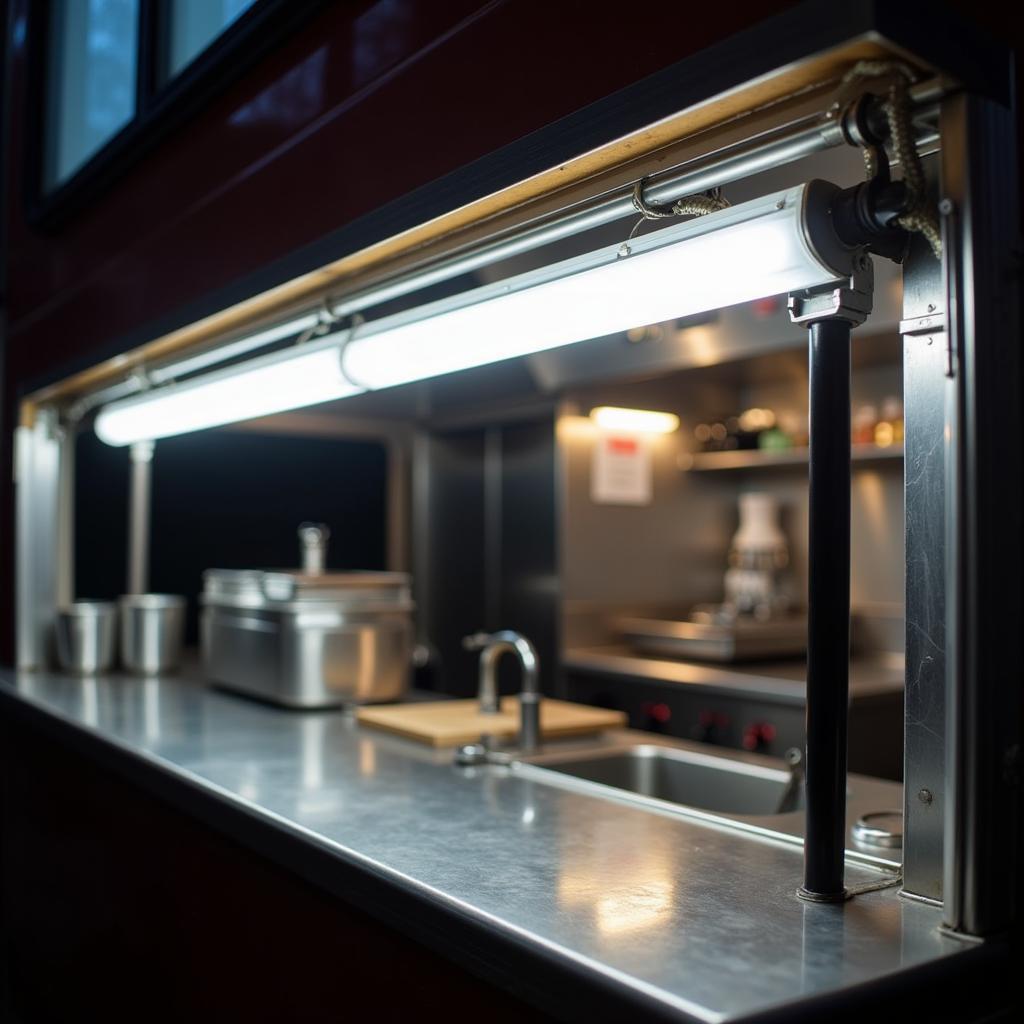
(152, 631)
(85, 635)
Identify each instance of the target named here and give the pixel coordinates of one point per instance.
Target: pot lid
(289, 585)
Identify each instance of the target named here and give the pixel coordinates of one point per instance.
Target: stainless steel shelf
(706, 462)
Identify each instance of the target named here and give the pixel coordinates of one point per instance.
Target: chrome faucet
(491, 647)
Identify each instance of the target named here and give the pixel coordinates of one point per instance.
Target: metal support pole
(138, 517)
(398, 512)
(830, 314)
(66, 516)
(828, 609)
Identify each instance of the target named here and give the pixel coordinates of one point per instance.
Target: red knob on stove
(657, 711)
(758, 736)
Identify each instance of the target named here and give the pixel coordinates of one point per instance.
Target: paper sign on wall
(621, 473)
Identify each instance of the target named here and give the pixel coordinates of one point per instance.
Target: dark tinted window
(190, 27)
(91, 80)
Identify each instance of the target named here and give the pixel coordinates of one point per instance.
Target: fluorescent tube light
(763, 247)
(634, 421)
(291, 379)
(739, 254)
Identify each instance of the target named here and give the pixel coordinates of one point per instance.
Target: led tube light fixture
(779, 243)
(291, 379)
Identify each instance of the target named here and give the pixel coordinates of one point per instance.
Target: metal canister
(152, 632)
(308, 641)
(86, 634)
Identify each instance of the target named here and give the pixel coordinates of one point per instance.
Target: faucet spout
(492, 646)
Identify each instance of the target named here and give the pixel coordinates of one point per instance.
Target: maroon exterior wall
(362, 104)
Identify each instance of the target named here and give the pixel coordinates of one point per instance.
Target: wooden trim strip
(515, 204)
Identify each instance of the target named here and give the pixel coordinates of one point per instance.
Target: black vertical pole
(828, 609)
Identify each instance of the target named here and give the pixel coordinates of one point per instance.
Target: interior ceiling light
(634, 421)
(779, 243)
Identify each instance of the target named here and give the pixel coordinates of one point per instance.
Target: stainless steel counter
(784, 681)
(691, 915)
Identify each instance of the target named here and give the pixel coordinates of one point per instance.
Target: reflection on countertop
(657, 904)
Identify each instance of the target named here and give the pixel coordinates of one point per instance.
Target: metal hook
(327, 319)
(356, 320)
(649, 211)
(140, 378)
(697, 206)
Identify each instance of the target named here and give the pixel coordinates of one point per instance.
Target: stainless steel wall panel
(925, 390)
(38, 538)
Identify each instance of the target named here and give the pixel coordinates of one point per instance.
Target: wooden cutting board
(450, 723)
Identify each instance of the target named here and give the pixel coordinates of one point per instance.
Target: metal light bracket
(850, 300)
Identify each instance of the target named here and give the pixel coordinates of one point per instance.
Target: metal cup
(152, 631)
(85, 633)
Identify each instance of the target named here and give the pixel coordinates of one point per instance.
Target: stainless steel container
(305, 639)
(152, 631)
(86, 633)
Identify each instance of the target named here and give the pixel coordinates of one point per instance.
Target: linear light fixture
(779, 243)
(634, 421)
(286, 380)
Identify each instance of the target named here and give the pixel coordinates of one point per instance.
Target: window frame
(160, 108)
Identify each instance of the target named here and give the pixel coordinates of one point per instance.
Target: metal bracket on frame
(850, 300)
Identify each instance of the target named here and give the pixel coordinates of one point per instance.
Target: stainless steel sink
(688, 778)
(750, 792)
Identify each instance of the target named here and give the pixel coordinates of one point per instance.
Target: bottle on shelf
(889, 429)
(788, 431)
(756, 582)
(862, 428)
(717, 436)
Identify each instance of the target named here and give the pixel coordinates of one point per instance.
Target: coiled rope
(919, 215)
(689, 206)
